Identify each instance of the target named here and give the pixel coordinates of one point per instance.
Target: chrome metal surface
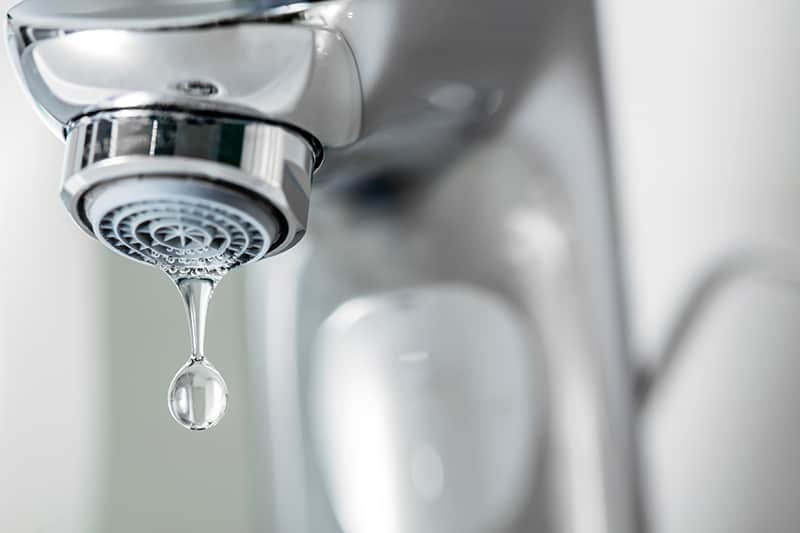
(149, 14)
(419, 358)
(357, 77)
(79, 58)
(265, 165)
(374, 80)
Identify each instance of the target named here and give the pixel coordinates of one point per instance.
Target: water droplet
(198, 396)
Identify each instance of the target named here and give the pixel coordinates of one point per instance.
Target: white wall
(50, 335)
(704, 98)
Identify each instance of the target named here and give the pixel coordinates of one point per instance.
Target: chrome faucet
(227, 114)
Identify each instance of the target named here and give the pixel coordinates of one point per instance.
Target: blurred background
(702, 112)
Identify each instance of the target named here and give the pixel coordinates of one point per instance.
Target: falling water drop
(198, 395)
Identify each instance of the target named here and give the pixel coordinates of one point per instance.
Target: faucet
(195, 133)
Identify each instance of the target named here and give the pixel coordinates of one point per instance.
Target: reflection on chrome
(443, 439)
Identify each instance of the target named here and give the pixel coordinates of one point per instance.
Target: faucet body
(376, 108)
(134, 88)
